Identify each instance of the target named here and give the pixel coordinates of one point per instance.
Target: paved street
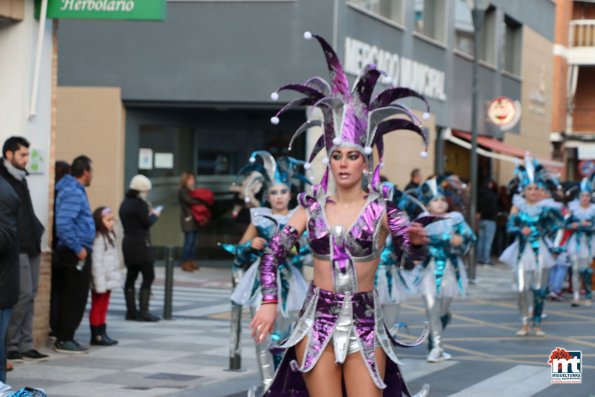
(188, 355)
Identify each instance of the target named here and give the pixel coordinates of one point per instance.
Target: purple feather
(399, 124)
(303, 89)
(387, 97)
(296, 103)
(340, 84)
(366, 83)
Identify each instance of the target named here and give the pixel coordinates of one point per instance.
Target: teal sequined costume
(530, 255)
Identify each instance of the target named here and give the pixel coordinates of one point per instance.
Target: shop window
(430, 18)
(487, 50)
(465, 32)
(161, 151)
(389, 9)
(512, 46)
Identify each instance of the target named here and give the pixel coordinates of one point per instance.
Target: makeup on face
(275, 192)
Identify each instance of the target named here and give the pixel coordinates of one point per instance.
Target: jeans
(189, 245)
(4, 320)
(487, 230)
(557, 276)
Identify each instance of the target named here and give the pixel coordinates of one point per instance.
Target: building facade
(193, 92)
(27, 111)
(573, 117)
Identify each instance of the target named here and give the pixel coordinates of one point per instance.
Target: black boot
(106, 337)
(130, 296)
(446, 319)
(97, 337)
(145, 314)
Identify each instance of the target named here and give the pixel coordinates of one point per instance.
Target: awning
(500, 150)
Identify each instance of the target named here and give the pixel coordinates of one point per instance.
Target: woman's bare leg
(358, 381)
(324, 380)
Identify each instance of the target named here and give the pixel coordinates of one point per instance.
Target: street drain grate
(170, 376)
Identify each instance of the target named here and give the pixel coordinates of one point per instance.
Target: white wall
(17, 61)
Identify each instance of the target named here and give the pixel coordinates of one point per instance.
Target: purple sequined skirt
(336, 319)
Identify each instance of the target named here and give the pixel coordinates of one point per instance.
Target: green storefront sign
(143, 10)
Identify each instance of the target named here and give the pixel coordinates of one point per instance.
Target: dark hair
(61, 168)
(413, 172)
(80, 165)
(100, 228)
(13, 144)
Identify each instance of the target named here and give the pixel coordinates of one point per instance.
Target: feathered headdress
(352, 118)
(449, 187)
(270, 172)
(529, 173)
(585, 186)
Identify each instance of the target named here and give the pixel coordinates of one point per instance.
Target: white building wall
(17, 62)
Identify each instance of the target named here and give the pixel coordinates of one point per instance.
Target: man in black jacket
(9, 263)
(13, 166)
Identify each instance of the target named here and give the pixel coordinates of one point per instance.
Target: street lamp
(478, 9)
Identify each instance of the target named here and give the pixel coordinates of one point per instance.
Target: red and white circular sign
(504, 112)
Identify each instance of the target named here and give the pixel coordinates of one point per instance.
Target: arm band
(274, 254)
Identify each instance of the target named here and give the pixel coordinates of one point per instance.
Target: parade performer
(394, 279)
(340, 342)
(442, 275)
(581, 223)
(276, 178)
(534, 222)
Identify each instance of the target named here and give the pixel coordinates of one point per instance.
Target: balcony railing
(582, 33)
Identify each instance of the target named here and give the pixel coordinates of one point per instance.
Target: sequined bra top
(360, 240)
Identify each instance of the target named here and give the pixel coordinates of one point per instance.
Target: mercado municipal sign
(144, 10)
(401, 70)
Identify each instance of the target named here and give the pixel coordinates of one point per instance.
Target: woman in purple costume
(340, 344)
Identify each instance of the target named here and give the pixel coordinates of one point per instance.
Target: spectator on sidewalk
(61, 168)
(75, 232)
(13, 168)
(189, 224)
(415, 180)
(105, 270)
(137, 217)
(487, 207)
(9, 263)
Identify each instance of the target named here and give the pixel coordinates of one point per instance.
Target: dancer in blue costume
(442, 275)
(534, 222)
(394, 279)
(275, 177)
(580, 247)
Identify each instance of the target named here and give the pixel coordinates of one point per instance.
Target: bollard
(235, 336)
(169, 284)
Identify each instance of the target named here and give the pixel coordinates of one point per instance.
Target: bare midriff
(366, 271)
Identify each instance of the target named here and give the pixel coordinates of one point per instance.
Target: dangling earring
(366, 172)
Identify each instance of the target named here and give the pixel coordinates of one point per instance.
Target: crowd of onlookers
(86, 254)
(493, 206)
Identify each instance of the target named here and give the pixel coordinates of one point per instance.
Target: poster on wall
(164, 160)
(145, 159)
(36, 161)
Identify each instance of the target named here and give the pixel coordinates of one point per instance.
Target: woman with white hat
(137, 217)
